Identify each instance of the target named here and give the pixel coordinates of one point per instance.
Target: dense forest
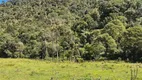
(73, 30)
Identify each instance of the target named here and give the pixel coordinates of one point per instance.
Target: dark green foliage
(76, 30)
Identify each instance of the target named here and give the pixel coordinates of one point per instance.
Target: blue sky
(3, 0)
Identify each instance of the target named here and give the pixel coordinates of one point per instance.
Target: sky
(2, 0)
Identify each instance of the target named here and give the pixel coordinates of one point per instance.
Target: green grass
(24, 69)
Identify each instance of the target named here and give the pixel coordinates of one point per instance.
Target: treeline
(71, 29)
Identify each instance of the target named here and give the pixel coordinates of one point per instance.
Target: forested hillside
(71, 29)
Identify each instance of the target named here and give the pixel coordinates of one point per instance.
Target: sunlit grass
(24, 69)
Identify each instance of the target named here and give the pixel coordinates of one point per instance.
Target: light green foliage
(108, 42)
(91, 23)
(95, 14)
(133, 35)
(99, 48)
(115, 28)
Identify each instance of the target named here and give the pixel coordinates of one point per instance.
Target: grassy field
(24, 69)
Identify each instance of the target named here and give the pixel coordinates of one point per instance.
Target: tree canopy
(71, 29)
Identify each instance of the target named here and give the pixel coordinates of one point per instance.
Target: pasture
(25, 69)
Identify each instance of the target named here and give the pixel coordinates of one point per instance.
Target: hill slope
(71, 29)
